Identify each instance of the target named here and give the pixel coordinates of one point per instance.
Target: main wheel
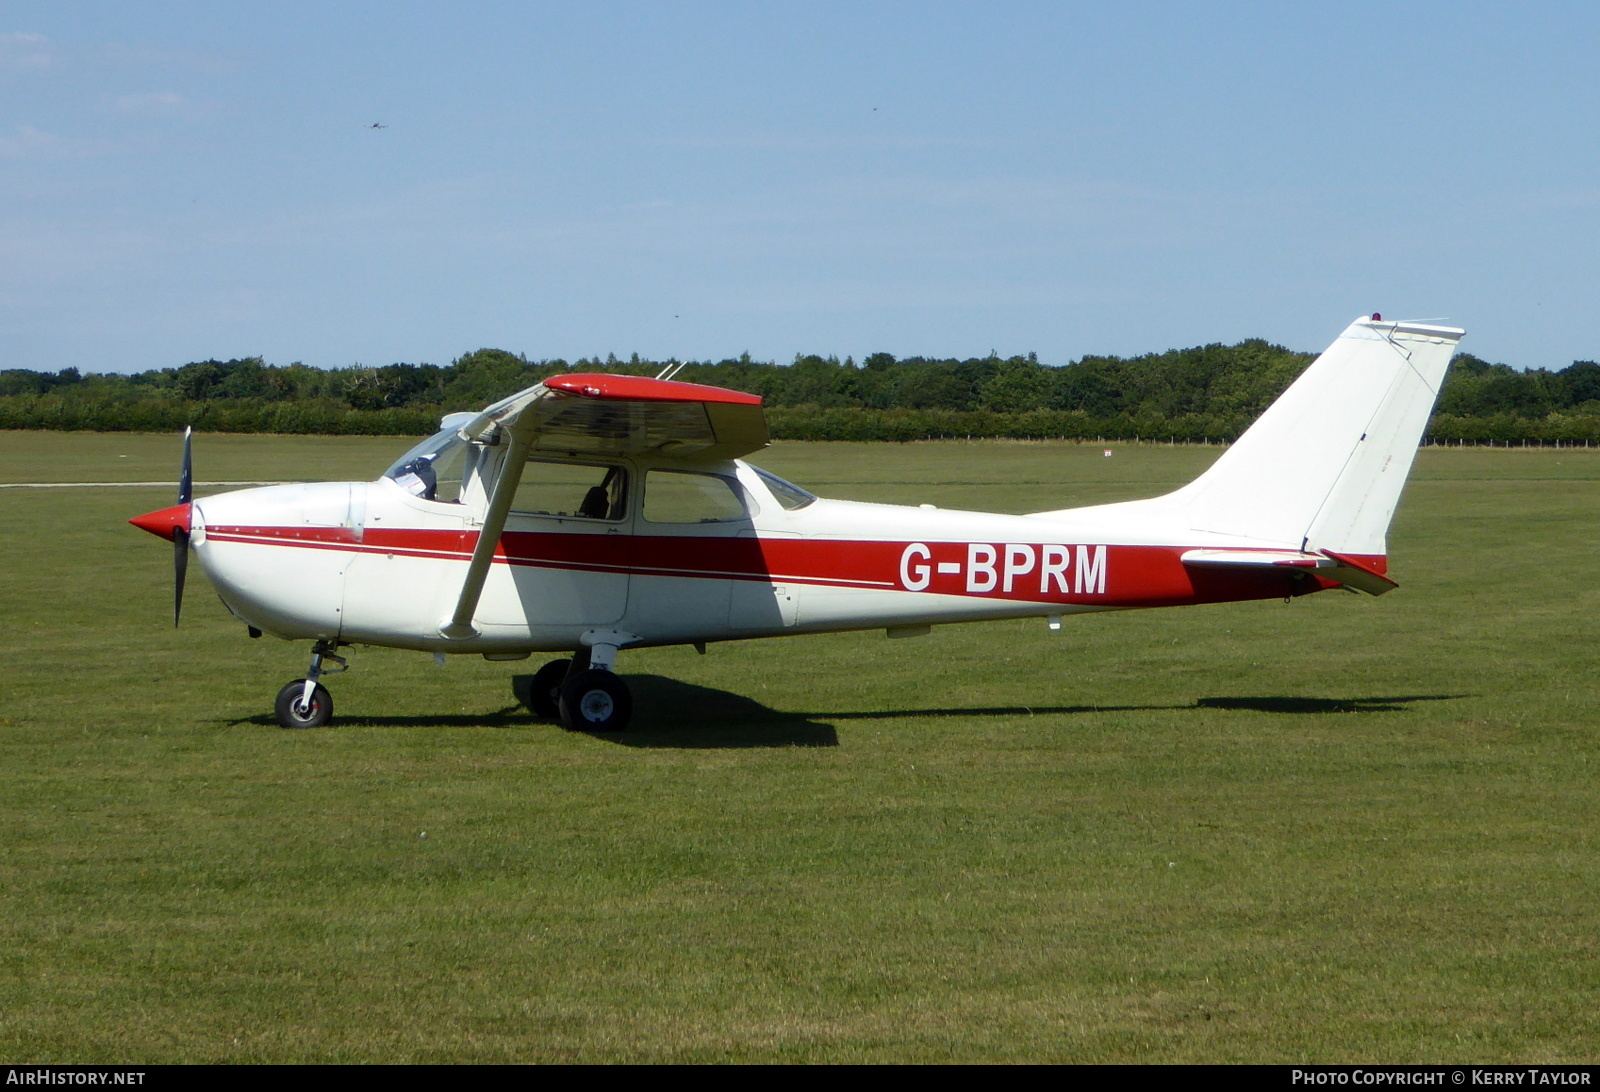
(596, 701)
(291, 714)
(542, 690)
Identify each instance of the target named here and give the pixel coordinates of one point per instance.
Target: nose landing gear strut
(306, 703)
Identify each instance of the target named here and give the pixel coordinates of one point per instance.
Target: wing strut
(460, 627)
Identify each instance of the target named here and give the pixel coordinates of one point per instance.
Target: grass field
(1340, 829)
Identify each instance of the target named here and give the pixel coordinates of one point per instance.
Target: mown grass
(1338, 829)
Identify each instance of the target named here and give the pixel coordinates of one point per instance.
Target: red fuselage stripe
(1068, 573)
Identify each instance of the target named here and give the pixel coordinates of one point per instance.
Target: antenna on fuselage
(671, 370)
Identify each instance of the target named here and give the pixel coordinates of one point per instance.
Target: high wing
(589, 413)
(629, 415)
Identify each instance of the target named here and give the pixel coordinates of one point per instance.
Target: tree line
(1209, 392)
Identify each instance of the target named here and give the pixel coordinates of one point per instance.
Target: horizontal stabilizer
(1339, 570)
(1291, 559)
(1353, 573)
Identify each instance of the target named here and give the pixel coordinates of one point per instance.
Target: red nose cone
(163, 523)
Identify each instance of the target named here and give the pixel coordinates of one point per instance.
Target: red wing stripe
(633, 388)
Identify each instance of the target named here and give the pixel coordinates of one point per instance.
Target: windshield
(435, 468)
(789, 495)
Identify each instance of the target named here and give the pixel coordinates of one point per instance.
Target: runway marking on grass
(129, 485)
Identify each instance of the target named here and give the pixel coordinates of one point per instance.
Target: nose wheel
(306, 703)
(294, 711)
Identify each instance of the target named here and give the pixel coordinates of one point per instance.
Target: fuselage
(376, 563)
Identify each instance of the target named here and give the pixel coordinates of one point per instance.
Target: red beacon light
(1376, 317)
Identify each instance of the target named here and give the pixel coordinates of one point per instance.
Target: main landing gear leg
(592, 698)
(306, 703)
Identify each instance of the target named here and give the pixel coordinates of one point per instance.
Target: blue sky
(183, 181)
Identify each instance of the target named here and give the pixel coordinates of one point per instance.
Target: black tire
(541, 691)
(596, 701)
(288, 710)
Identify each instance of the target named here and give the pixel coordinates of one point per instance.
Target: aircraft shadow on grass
(1322, 705)
(667, 713)
(676, 714)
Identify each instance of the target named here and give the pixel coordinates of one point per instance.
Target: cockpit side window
(572, 491)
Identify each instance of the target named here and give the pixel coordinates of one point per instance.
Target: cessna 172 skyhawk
(590, 514)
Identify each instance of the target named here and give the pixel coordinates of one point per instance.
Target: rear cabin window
(678, 496)
(789, 495)
(571, 491)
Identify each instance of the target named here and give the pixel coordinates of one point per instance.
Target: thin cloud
(32, 143)
(165, 57)
(153, 102)
(30, 51)
(1555, 200)
(820, 143)
(26, 51)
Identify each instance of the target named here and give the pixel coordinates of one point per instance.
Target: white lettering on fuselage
(1019, 562)
(1089, 578)
(915, 577)
(1008, 568)
(1054, 568)
(981, 576)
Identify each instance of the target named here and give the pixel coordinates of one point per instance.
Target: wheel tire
(596, 701)
(288, 709)
(543, 693)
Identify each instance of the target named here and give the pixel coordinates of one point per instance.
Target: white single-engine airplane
(594, 513)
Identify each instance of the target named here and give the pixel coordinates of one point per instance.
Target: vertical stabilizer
(1324, 466)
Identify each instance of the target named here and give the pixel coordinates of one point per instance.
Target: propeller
(173, 525)
(180, 535)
